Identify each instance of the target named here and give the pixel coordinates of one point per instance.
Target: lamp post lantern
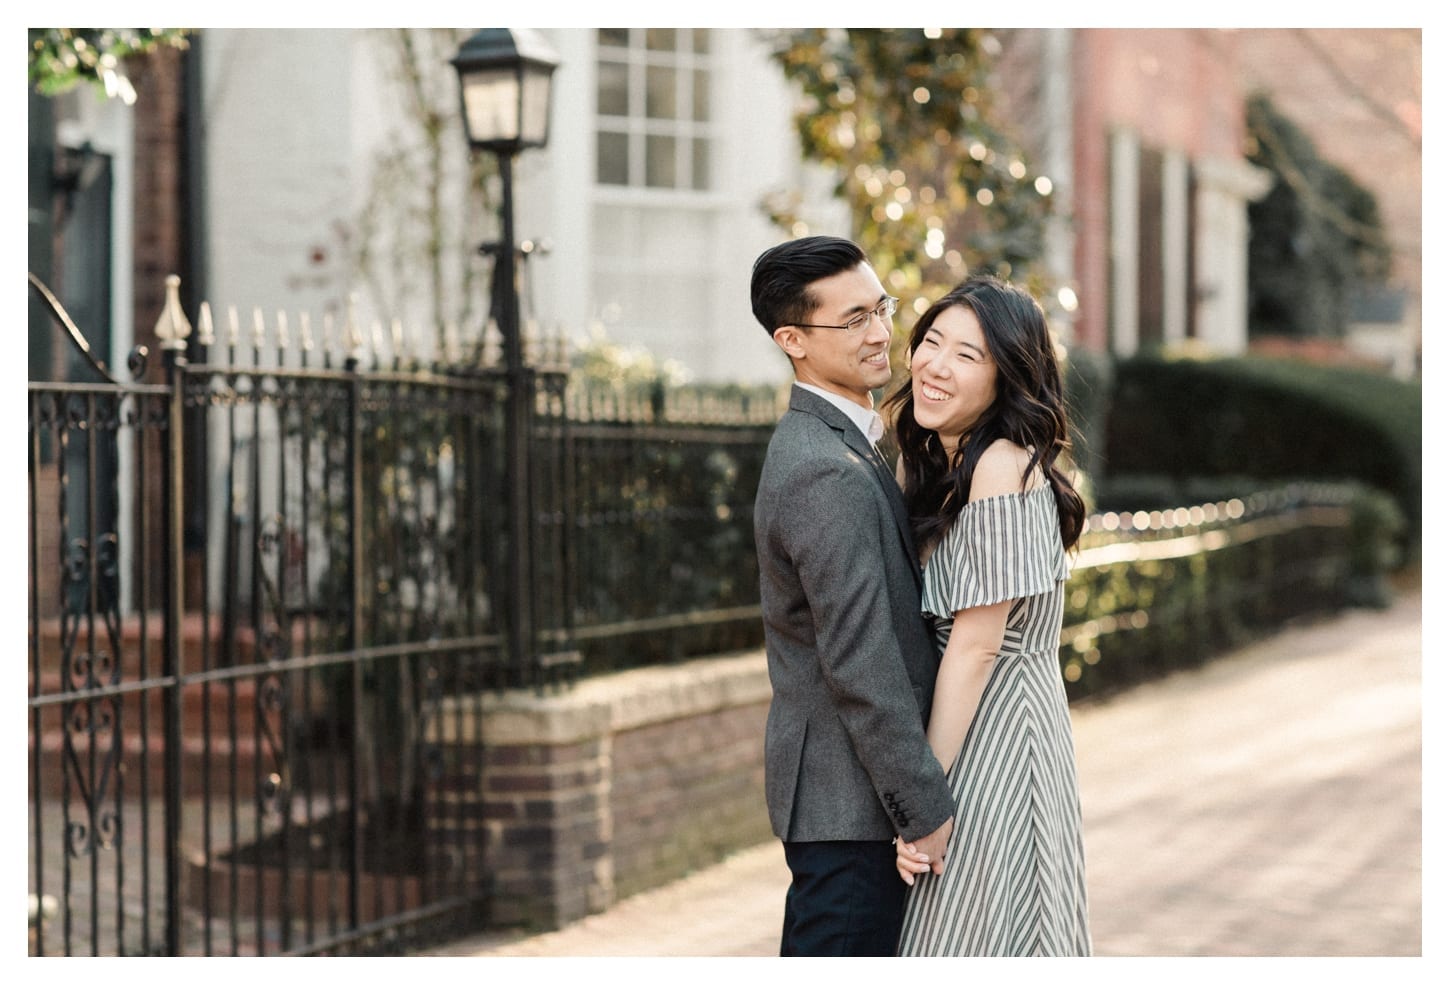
(504, 79)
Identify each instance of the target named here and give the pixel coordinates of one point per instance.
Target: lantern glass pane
(535, 123)
(491, 106)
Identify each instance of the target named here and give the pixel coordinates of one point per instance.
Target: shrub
(1376, 531)
(1264, 418)
(1088, 381)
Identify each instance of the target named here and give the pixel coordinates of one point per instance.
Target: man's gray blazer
(852, 662)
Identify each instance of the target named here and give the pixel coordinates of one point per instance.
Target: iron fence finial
(172, 328)
(563, 341)
(352, 339)
(205, 334)
(234, 326)
(377, 340)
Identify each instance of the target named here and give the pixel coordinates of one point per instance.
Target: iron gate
(232, 722)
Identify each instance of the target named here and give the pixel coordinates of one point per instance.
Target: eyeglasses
(883, 311)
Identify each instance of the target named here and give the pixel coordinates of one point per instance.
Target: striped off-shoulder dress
(1015, 882)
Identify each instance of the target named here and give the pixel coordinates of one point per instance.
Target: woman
(981, 425)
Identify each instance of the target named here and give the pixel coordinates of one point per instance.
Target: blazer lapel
(858, 443)
(806, 401)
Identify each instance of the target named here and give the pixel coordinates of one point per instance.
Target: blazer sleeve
(838, 550)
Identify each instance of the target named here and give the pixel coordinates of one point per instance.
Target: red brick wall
(686, 793)
(1177, 89)
(618, 785)
(1090, 188)
(1357, 93)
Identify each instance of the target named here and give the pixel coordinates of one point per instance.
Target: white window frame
(638, 128)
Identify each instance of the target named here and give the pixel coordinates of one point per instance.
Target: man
(852, 662)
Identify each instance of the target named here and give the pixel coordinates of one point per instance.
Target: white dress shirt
(864, 418)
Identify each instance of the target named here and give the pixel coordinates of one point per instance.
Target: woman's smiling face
(953, 375)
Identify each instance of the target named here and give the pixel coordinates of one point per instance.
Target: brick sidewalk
(1267, 804)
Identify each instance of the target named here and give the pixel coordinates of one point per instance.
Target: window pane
(614, 37)
(702, 164)
(702, 96)
(659, 101)
(612, 165)
(613, 89)
(660, 38)
(702, 41)
(660, 162)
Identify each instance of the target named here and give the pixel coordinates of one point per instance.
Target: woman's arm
(977, 632)
(965, 666)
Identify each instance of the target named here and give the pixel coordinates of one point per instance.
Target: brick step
(194, 756)
(379, 895)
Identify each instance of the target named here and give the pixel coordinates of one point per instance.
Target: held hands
(925, 854)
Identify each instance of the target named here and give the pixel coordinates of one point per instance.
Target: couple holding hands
(918, 750)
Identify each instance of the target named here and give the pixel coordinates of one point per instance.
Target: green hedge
(1267, 419)
(1088, 382)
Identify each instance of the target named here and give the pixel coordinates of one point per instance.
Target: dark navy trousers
(845, 898)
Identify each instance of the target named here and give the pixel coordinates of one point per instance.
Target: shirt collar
(867, 420)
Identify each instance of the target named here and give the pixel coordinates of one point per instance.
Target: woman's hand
(910, 863)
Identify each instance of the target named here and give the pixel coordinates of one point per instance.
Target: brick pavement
(1267, 804)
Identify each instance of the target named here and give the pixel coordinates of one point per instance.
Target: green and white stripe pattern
(1015, 880)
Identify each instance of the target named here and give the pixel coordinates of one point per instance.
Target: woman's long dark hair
(1029, 410)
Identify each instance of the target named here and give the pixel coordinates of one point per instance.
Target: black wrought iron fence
(660, 502)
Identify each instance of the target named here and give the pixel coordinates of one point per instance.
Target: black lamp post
(504, 79)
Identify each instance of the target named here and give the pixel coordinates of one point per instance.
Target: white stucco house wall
(294, 119)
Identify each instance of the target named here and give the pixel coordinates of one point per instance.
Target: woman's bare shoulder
(999, 470)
